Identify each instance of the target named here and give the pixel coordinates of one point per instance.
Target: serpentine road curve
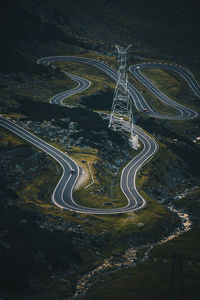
(62, 195)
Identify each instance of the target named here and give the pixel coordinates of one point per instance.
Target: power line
(122, 104)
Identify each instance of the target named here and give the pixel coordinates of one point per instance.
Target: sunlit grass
(99, 80)
(151, 99)
(173, 85)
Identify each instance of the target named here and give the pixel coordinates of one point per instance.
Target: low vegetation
(174, 86)
(44, 250)
(100, 82)
(171, 272)
(176, 262)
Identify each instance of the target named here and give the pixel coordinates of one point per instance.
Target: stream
(129, 258)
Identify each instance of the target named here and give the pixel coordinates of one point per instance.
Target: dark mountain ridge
(160, 26)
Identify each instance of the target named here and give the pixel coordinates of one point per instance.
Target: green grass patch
(173, 85)
(8, 140)
(151, 99)
(171, 273)
(99, 80)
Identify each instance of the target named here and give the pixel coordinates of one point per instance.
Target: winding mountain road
(62, 195)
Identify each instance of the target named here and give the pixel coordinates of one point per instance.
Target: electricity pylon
(122, 103)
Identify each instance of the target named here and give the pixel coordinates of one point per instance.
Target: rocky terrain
(47, 253)
(21, 168)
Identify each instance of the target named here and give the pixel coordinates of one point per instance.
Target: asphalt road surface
(62, 195)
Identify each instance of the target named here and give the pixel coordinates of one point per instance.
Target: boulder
(73, 125)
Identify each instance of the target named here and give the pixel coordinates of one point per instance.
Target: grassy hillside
(172, 269)
(44, 251)
(171, 273)
(30, 28)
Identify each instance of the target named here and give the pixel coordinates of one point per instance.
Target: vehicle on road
(145, 110)
(72, 171)
(137, 67)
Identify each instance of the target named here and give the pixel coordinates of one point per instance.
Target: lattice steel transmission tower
(122, 103)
